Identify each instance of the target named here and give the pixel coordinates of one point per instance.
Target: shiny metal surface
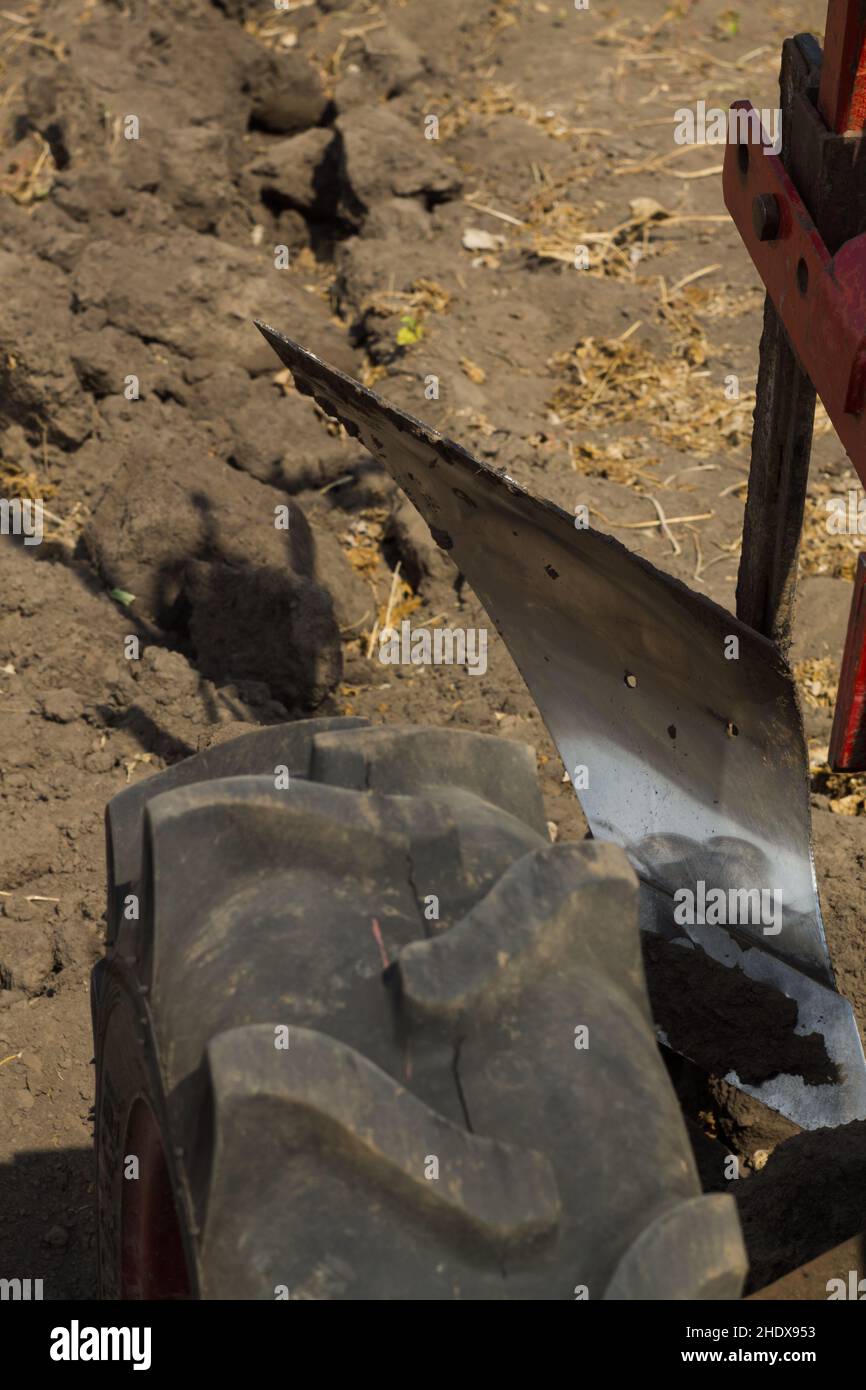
(696, 763)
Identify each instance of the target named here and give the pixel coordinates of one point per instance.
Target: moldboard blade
(697, 763)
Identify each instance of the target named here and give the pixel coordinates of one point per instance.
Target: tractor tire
(362, 1032)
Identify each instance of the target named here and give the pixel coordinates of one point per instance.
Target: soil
(808, 1199)
(701, 1005)
(217, 551)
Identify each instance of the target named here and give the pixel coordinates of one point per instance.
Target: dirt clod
(808, 1197)
(726, 1022)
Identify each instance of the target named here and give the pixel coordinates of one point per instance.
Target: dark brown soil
(707, 1013)
(810, 1197)
(148, 258)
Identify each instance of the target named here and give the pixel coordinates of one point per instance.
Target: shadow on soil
(48, 1222)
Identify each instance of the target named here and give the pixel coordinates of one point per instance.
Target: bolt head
(766, 216)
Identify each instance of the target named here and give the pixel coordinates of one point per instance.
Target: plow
(275, 1013)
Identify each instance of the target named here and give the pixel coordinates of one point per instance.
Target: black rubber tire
(434, 1128)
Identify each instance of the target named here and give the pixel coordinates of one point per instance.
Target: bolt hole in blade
(722, 810)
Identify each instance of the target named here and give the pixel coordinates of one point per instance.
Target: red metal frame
(848, 740)
(821, 300)
(842, 97)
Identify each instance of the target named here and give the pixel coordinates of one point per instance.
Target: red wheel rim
(153, 1264)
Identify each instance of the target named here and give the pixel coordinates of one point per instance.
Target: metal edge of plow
(697, 763)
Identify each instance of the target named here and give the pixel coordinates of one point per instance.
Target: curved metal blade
(693, 745)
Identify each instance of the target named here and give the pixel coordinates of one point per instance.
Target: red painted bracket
(821, 299)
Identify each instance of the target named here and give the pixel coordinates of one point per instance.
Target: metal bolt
(766, 216)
